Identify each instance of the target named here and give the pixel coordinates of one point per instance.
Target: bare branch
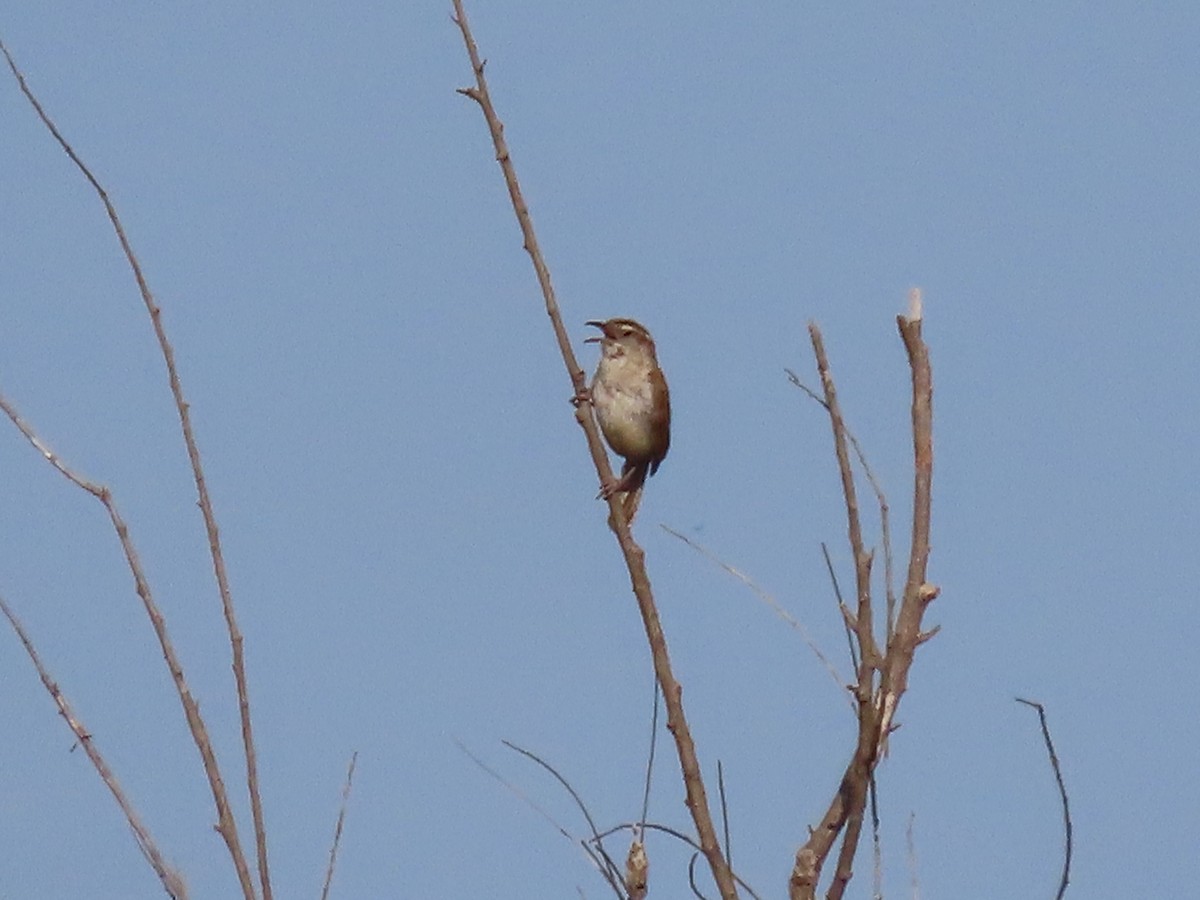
(877, 708)
(862, 557)
(1062, 793)
(193, 451)
(635, 559)
(171, 880)
(226, 825)
(885, 525)
(337, 831)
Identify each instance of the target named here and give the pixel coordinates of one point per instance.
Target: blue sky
(407, 504)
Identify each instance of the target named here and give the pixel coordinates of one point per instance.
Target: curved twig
(612, 866)
(604, 867)
(1062, 793)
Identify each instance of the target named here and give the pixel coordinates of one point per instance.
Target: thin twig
(171, 880)
(602, 866)
(692, 877)
(885, 526)
(650, 756)
(884, 509)
(337, 831)
(1062, 793)
(528, 754)
(876, 846)
(724, 810)
(767, 599)
(635, 557)
(837, 592)
(193, 452)
(226, 824)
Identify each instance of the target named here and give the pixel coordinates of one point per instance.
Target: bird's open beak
(598, 338)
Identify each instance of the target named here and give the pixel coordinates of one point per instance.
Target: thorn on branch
(923, 636)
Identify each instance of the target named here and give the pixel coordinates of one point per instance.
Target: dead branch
(885, 526)
(226, 824)
(205, 502)
(635, 561)
(1062, 793)
(171, 880)
(876, 705)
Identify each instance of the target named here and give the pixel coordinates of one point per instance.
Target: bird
(633, 405)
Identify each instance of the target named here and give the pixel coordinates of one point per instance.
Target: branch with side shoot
(635, 561)
(882, 675)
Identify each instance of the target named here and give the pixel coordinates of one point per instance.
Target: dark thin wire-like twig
(337, 831)
(724, 810)
(1062, 793)
(602, 866)
(692, 877)
(226, 825)
(876, 846)
(205, 502)
(837, 592)
(574, 796)
(650, 757)
(635, 557)
(171, 880)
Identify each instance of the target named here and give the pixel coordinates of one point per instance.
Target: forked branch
(877, 700)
